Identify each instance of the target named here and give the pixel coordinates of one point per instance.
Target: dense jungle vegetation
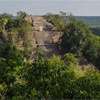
(56, 78)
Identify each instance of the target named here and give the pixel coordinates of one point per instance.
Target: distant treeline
(92, 21)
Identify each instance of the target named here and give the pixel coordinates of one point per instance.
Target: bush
(57, 21)
(88, 86)
(70, 59)
(74, 37)
(92, 50)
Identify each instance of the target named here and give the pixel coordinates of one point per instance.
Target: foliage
(74, 37)
(77, 38)
(71, 59)
(92, 50)
(57, 20)
(53, 79)
(11, 63)
(58, 77)
(88, 85)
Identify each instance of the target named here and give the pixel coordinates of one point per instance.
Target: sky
(41, 7)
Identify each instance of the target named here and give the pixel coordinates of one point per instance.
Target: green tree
(57, 20)
(92, 50)
(43, 74)
(51, 78)
(70, 58)
(11, 63)
(74, 37)
(88, 86)
(21, 15)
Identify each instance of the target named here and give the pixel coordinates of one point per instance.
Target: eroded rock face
(38, 23)
(44, 35)
(44, 30)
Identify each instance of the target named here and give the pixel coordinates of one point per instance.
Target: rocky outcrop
(45, 36)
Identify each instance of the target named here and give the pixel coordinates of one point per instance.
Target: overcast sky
(38, 7)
